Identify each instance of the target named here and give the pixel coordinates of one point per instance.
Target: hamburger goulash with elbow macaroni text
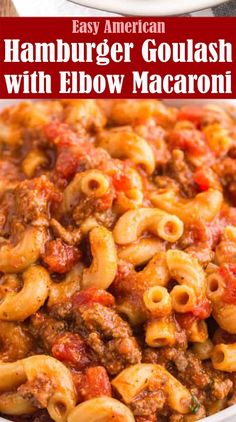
(117, 261)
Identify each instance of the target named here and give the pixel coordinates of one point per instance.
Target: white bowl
(229, 414)
(149, 7)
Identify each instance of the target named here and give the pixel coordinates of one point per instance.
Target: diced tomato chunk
(193, 114)
(95, 383)
(51, 130)
(67, 164)
(121, 182)
(121, 176)
(202, 310)
(201, 178)
(72, 350)
(189, 140)
(205, 179)
(228, 272)
(60, 134)
(186, 320)
(59, 256)
(91, 296)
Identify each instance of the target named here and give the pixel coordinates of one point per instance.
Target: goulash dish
(117, 261)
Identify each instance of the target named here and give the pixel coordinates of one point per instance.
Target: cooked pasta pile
(117, 261)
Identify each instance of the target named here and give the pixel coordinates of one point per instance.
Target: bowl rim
(149, 7)
(217, 417)
(222, 415)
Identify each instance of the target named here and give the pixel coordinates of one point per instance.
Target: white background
(54, 8)
(66, 8)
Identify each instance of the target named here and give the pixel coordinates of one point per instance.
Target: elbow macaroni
(139, 111)
(63, 399)
(186, 270)
(19, 306)
(225, 316)
(92, 183)
(17, 258)
(14, 404)
(60, 292)
(102, 271)
(183, 298)
(207, 204)
(223, 357)
(156, 272)
(203, 350)
(160, 332)
(158, 301)
(135, 379)
(102, 409)
(33, 161)
(224, 313)
(141, 251)
(197, 332)
(129, 145)
(133, 223)
(226, 249)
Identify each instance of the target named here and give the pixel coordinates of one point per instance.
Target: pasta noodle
(223, 357)
(223, 312)
(141, 251)
(133, 223)
(102, 271)
(183, 298)
(102, 409)
(207, 203)
(19, 306)
(186, 270)
(203, 350)
(26, 252)
(157, 300)
(160, 332)
(129, 145)
(197, 332)
(63, 398)
(13, 404)
(139, 377)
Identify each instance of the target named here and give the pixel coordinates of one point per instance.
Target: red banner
(117, 57)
